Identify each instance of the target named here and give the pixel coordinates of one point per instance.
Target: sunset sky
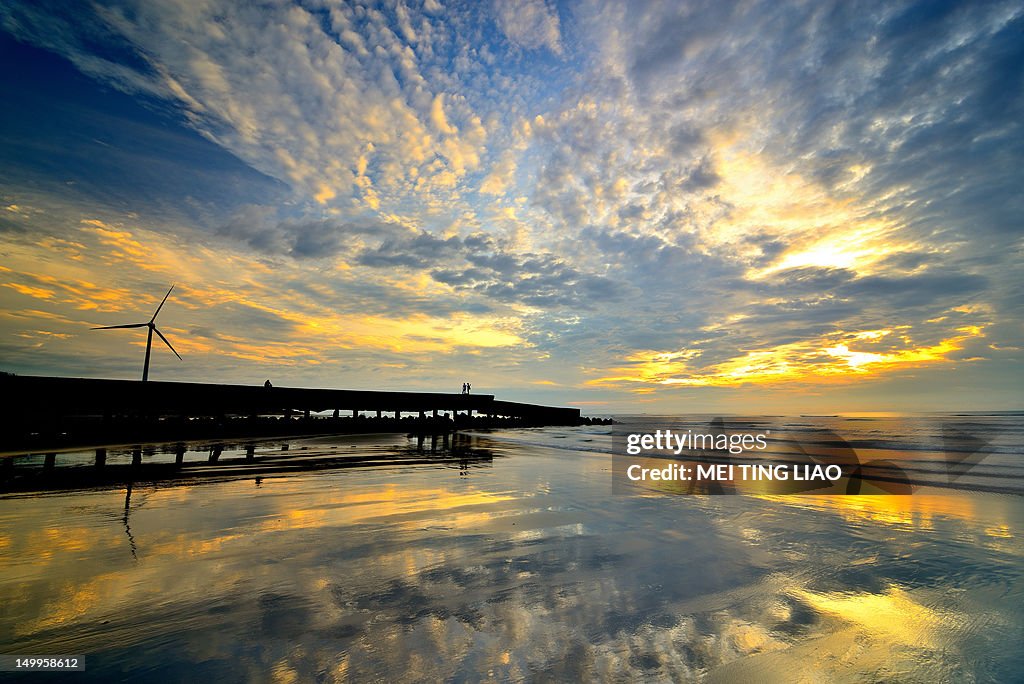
(633, 206)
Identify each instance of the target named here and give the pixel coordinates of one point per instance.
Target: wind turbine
(149, 340)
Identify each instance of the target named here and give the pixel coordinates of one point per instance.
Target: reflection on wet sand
(917, 511)
(175, 461)
(525, 569)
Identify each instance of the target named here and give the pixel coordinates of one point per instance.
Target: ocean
(513, 559)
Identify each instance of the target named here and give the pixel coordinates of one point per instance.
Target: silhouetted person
(267, 384)
(468, 387)
(463, 388)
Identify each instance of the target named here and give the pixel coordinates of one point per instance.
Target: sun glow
(823, 360)
(819, 229)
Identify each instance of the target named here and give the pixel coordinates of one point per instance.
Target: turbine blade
(161, 304)
(112, 327)
(166, 342)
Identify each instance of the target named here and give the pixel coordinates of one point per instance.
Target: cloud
(438, 118)
(303, 108)
(695, 189)
(530, 24)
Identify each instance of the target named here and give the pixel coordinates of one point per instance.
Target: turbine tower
(149, 339)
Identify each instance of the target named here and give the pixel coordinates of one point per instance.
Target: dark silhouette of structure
(149, 339)
(62, 412)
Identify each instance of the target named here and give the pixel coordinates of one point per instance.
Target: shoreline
(229, 440)
(368, 453)
(97, 433)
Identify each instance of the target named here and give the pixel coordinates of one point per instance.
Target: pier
(47, 414)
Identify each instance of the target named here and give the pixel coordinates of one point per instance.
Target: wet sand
(521, 567)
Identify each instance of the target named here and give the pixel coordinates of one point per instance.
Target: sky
(632, 207)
